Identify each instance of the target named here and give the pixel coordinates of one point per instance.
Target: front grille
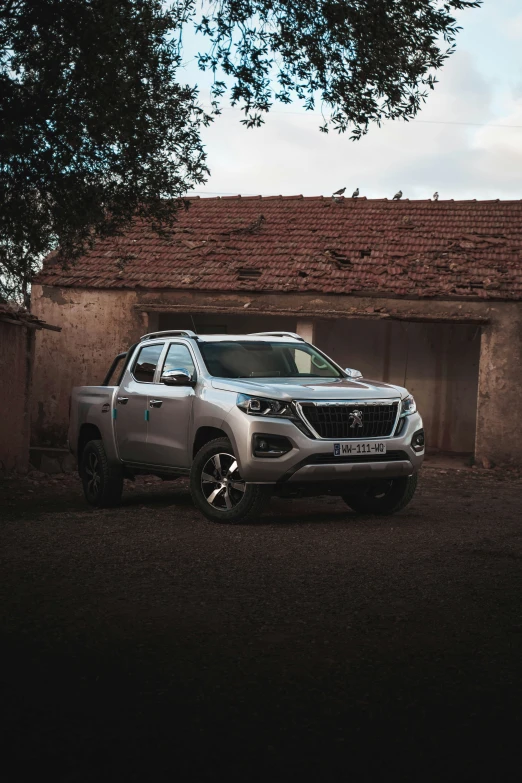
(340, 421)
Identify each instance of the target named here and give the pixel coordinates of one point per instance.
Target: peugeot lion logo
(356, 419)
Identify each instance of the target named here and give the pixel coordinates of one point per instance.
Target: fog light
(417, 441)
(270, 445)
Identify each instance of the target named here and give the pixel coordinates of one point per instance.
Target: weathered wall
(16, 354)
(96, 325)
(499, 414)
(437, 361)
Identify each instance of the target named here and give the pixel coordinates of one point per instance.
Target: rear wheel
(384, 496)
(217, 487)
(102, 481)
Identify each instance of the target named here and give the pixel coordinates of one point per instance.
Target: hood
(311, 388)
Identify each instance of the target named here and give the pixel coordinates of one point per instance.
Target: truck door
(132, 411)
(171, 412)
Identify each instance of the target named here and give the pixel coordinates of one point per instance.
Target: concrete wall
(16, 355)
(96, 325)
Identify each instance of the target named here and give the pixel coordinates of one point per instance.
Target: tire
(383, 497)
(217, 488)
(102, 481)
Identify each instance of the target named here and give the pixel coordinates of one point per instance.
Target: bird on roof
(398, 196)
(355, 193)
(435, 196)
(339, 192)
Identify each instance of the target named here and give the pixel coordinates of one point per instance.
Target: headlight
(408, 406)
(261, 406)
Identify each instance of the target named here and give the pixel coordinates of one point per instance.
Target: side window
(146, 363)
(179, 358)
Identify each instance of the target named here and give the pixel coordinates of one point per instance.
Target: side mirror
(178, 377)
(353, 374)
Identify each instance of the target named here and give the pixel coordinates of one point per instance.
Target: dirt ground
(145, 643)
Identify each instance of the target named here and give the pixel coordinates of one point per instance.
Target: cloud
(512, 28)
(289, 155)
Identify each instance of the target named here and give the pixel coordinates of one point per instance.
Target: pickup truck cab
(245, 417)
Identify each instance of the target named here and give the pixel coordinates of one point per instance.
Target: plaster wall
(96, 325)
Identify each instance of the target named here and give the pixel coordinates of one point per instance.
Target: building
(420, 293)
(17, 338)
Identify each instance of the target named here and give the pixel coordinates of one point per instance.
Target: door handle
(123, 400)
(156, 403)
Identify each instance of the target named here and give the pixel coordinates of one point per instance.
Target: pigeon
(339, 192)
(398, 196)
(435, 196)
(355, 194)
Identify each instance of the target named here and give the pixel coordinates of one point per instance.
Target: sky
(455, 146)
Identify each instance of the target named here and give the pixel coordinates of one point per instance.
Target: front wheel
(102, 481)
(217, 488)
(386, 496)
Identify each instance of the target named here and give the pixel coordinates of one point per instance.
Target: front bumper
(312, 459)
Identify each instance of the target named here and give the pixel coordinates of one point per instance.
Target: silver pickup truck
(246, 417)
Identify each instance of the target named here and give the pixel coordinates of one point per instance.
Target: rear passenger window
(146, 363)
(179, 358)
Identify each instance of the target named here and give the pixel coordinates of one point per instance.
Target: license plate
(355, 449)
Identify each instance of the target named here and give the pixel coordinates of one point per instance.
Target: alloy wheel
(93, 475)
(221, 484)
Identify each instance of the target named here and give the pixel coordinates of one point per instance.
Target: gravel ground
(146, 644)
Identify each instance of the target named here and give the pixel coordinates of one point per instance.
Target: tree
(96, 128)
(363, 60)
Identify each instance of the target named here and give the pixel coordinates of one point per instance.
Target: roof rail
(171, 333)
(277, 334)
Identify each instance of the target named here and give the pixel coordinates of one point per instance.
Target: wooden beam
(30, 324)
(352, 313)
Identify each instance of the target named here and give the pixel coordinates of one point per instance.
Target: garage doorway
(437, 362)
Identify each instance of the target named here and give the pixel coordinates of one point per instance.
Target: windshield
(251, 359)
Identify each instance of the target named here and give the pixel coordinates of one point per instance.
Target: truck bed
(92, 406)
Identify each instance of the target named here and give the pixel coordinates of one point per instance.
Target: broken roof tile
(450, 248)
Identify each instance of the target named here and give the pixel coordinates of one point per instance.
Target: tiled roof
(295, 244)
(14, 314)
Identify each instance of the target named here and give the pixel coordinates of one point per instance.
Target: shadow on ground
(146, 643)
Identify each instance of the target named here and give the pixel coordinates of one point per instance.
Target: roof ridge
(359, 198)
(314, 244)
